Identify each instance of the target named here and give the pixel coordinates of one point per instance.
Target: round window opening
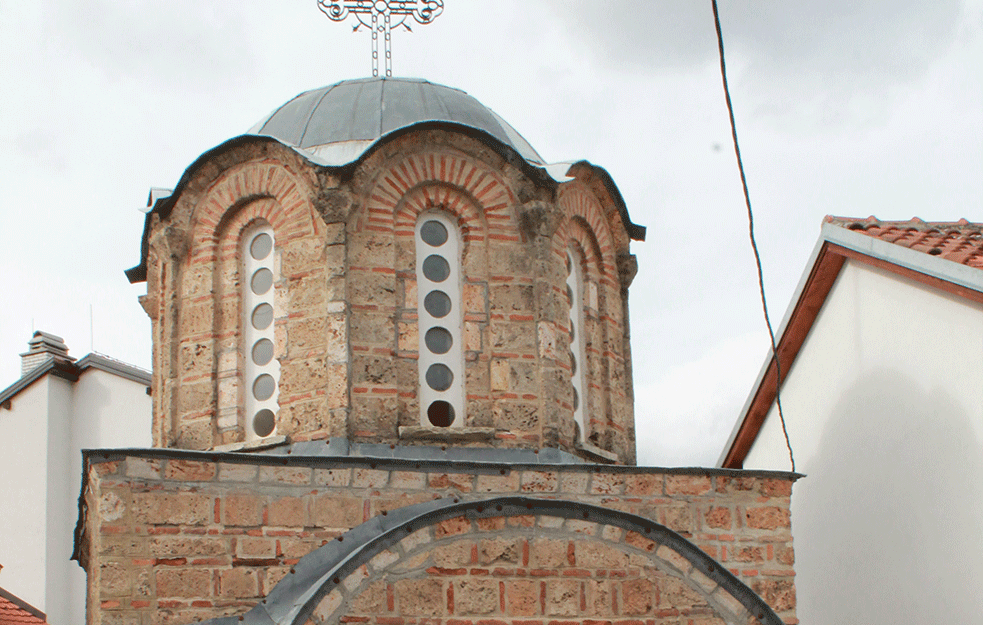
(437, 303)
(261, 246)
(433, 233)
(440, 377)
(441, 414)
(262, 281)
(436, 268)
(263, 352)
(264, 422)
(438, 340)
(264, 387)
(262, 316)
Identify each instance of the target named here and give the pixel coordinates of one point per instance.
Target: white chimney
(41, 348)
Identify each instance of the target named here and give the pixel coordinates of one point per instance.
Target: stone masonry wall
(345, 299)
(174, 540)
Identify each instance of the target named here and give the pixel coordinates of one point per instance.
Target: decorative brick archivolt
(585, 222)
(478, 187)
(507, 558)
(200, 405)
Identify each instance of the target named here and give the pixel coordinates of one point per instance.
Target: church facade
(392, 384)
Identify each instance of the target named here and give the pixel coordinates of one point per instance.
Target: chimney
(41, 348)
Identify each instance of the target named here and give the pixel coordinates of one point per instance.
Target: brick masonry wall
(345, 297)
(178, 540)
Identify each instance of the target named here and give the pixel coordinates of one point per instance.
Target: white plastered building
(58, 407)
(881, 354)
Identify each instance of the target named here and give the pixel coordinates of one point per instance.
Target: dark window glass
(440, 377)
(576, 399)
(262, 281)
(261, 246)
(263, 387)
(441, 414)
(433, 233)
(437, 304)
(263, 352)
(435, 268)
(262, 316)
(439, 340)
(264, 422)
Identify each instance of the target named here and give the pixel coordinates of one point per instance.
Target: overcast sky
(845, 107)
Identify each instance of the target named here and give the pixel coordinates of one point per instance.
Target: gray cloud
(838, 63)
(179, 41)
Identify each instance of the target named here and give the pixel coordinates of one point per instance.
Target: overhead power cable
(754, 245)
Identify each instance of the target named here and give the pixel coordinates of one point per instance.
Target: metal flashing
(115, 367)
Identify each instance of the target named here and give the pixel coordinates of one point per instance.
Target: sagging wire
(754, 245)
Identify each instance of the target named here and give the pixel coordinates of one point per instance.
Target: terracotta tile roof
(14, 611)
(959, 241)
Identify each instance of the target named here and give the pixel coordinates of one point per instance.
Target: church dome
(338, 123)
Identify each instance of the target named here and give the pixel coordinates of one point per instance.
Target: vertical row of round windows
(261, 317)
(571, 275)
(437, 339)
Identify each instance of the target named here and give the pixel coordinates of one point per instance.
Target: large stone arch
(438, 559)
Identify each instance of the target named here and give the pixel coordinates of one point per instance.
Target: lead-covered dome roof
(338, 123)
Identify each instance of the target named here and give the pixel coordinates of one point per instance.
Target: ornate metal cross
(393, 14)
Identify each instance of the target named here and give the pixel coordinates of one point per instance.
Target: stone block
(522, 597)
(242, 509)
(285, 475)
(190, 470)
(596, 555)
(507, 483)
(239, 583)
(638, 597)
(677, 594)
(172, 508)
(476, 596)
(333, 477)
(511, 298)
(183, 583)
(337, 512)
(115, 579)
(500, 551)
(419, 597)
(548, 553)
(687, 484)
(718, 517)
(768, 517)
(287, 512)
(563, 598)
(371, 601)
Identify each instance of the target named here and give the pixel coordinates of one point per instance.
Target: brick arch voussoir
(577, 231)
(579, 203)
(336, 569)
(291, 214)
(437, 170)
